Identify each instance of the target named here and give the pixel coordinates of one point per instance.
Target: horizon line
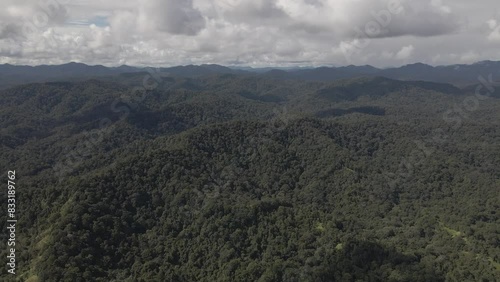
(247, 66)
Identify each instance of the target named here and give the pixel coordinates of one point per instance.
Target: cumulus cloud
(438, 4)
(415, 18)
(250, 32)
(405, 52)
(20, 18)
(494, 34)
(377, 18)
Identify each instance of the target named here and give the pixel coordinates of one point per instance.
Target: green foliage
(235, 178)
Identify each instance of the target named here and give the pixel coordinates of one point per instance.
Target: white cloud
(494, 34)
(469, 57)
(438, 4)
(405, 52)
(252, 32)
(492, 23)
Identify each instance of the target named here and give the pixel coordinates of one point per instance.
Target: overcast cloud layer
(249, 32)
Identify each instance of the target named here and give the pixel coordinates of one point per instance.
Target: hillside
(244, 177)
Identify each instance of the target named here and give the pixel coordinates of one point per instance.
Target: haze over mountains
(459, 75)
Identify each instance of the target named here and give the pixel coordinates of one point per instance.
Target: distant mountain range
(459, 75)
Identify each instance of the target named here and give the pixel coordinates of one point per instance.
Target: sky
(255, 33)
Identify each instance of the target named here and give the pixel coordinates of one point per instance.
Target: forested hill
(232, 177)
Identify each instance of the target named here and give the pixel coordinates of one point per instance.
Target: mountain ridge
(461, 75)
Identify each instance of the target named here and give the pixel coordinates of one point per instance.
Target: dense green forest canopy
(231, 177)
